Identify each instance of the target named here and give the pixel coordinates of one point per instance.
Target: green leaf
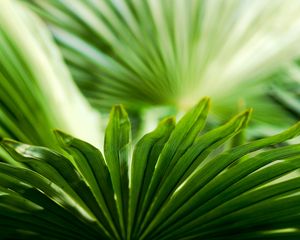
(91, 164)
(37, 92)
(180, 140)
(52, 191)
(49, 210)
(117, 146)
(190, 160)
(173, 52)
(59, 171)
(177, 184)
(144, 158)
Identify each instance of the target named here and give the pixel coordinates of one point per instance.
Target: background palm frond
(174, 186)
(282, 100)
(143, 53)
(37, 92)
(286, 90)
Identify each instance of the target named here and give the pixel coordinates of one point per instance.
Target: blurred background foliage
(156, 57)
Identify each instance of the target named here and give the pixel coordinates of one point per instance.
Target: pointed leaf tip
(62, 137)
(248, 114)
(168, 121)
(119, 108)
(204, 103)
(12, 144)
(245, 117)
(16, 149)
(206, 100)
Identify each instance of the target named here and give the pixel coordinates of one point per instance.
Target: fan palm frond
(174, 185)
(284, 93)
(174, 52)
(37, 92)
(287, 91)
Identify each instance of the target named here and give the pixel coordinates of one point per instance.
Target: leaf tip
(62, 137)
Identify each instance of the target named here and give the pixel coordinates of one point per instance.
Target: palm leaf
(37, 92)
(142, 53)
(286, 89)
(282, 99)
(178, 184)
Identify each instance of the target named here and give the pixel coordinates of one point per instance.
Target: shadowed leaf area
(176, 182)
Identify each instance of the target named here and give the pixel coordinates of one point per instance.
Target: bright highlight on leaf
(178, 183)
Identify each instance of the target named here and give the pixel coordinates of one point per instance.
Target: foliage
(37, 92)
(178, 184)
(174, 52)
(194, 179)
